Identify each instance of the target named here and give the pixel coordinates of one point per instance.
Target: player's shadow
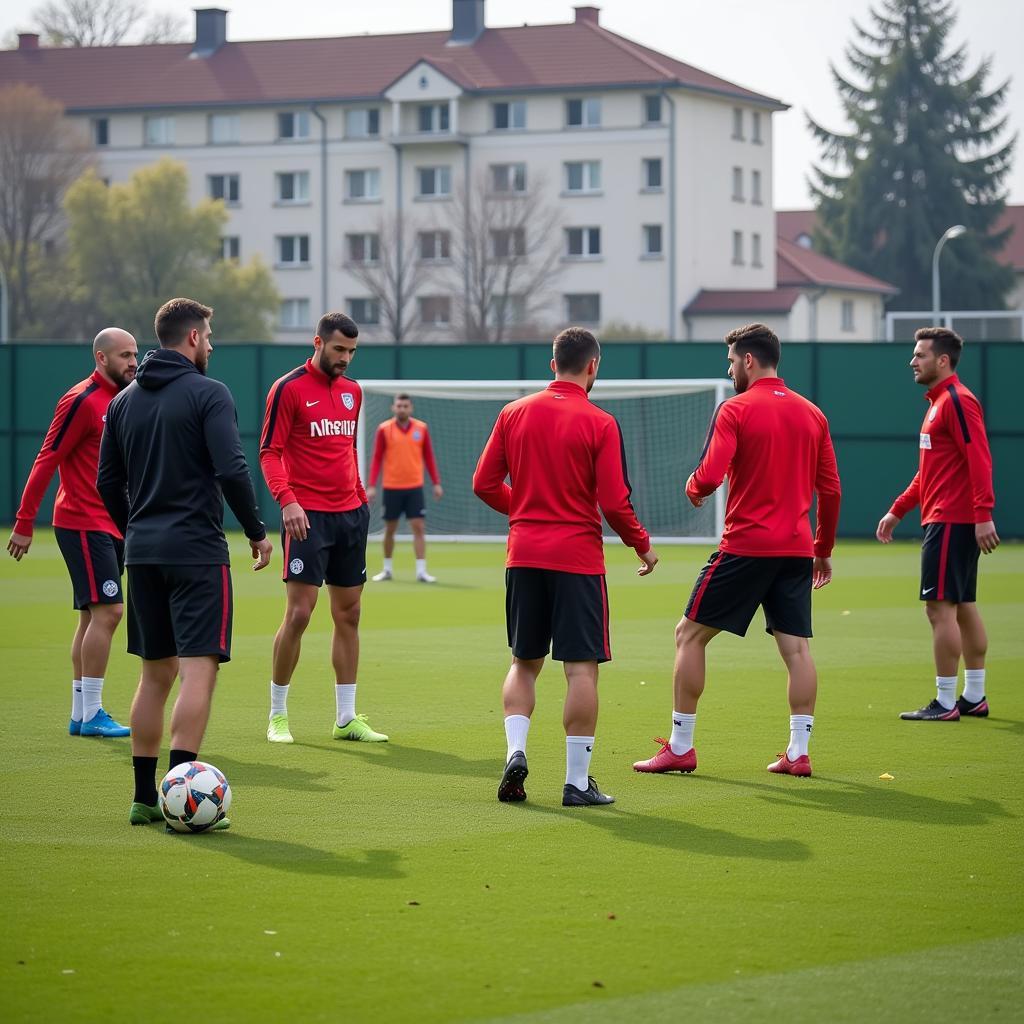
(413, 759)
(296, 859)
(1012, 725)
(681, 835)
(856, 799)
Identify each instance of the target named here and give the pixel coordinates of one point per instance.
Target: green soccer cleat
(358, 729)
(143, 814)
(277, 730)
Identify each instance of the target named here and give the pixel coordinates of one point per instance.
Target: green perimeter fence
(867, 392)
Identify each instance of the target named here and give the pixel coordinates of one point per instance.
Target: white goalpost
(664, 425)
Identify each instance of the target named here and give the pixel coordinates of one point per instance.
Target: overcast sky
(778, 47)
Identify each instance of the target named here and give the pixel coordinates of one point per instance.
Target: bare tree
(104, 23)
(506, 255)
(41, 154)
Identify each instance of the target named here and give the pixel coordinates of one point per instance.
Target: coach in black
(170, 452)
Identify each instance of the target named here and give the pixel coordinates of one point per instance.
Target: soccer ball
(194, 796)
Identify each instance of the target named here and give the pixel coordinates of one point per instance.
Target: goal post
(664, 425)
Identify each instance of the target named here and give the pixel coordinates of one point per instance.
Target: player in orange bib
(402, 447)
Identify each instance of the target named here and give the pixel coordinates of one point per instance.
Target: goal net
(664, 424)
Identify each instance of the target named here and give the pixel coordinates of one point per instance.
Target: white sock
(388, 564)
(577, 760)
(800, 727)
(421, 567)
(516, 728)
(76, 700)
(945, 687)
(92, 696)
(345, 698)
(278, 699)
(974, 684)
(682, 732)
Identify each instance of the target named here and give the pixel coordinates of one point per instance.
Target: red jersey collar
(102, 381)
(932, 393)
(567, 387)
(768, 382)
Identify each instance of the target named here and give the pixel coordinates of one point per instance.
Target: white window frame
(371, 317)
(737, 124)
(514, 174)
(442, 182)
(353, 130)
(755, 188)
(158, 130)
(441, 240)
(300, 196)
(371, 177)
(737, 249)
(570, 297)
(647, 165)
(590, 177)
(301, 125)
(588, 241)
(517, 244)
(370, 242)
(444, 302)
(440, 119)
(516, 309)
(226, 244)
(224, 129)
(846, 315)
(647, 99)
(755, 250)
(737, 185)
(590, 112)
(295, 314)
(647, 251)
(755, 127)
(226, 180)
(297, 247)
(515, 112)
(95, 126)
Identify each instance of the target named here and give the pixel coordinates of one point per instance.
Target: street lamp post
(954, 232)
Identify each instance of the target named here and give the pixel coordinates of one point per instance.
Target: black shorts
(95, 562)
(949, 563)
(407, 501)
(179, 611)
(565, 611)
(730, 588)
(334, 551)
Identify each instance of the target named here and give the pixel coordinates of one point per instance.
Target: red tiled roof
(791, 224)
(576, 55)
(709, 301)
(800, 267)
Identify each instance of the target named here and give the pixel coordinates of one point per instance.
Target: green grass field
(386, 882)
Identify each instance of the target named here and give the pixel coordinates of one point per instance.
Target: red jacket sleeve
(826, 485)
(909, 499)
(62, 435)
(613, 490)
(489, 478)
(379, 444)
(719, 449)
(360, 490)
(972, 440)
(428, 457)
(277, 425)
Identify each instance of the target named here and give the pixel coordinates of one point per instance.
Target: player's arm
(491, 469)
(719, 449)
(431, 463)
(376, 462)
(972, 439)
(112, 474)
(277, 425)
(907, 501)
(829, 491)
(614, 494)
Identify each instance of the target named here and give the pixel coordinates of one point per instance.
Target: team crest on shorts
(348, 401)
(110, 588)
(295, 566)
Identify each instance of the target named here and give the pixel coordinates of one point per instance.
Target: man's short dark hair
(331, 322)
(573, 349)
(174, 319)
(944, 342)
(760, 341)
(403, 397)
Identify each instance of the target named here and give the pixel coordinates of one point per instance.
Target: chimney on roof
(588, 15)
(211, 31)
(467, 22)
(28, 40)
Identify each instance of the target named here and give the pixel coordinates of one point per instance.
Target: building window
(364, 311)
(224, 129)
(652, 175)
(583, 113)
(755, 126)
(293, 187)
(506, 309)
(737, 248)
(583, 309)
(293, 125)
(583, 176)
(737, 123)
(582, 243)
(737, 184)
(159, 131)
(433, 182)
(846, 322)
(434, 245)
(293, 250)
(508, 243)
(652, 110)
(509, 116)
(432, 117)
(230, 247)
(362, 184)
(294, 313)
(362, 123)
(100, 131)
(755, 250)
(435, 310)
(652, 240)
(363, 248)
(226, 187)
(755, 187)
(507, 178)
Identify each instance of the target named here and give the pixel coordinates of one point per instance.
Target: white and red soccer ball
(194, 796)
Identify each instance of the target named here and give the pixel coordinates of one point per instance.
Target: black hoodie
(170, 450)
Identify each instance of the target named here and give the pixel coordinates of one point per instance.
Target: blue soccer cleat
(101, 724)
(74, 728)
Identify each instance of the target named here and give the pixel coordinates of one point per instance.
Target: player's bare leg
(390, 527)
(518, 699)
(346, 608)
(803, 692)
(974, 642)
(300, 602)
(94, 653)
(419, 547)
(947, 648)
(147, 731)
(192, 708)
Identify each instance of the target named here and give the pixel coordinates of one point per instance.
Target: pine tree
(923, 155)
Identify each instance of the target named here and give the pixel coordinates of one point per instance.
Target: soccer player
(953, 486)
(402, 446)
(776, 449)
(566, 460)
(91, 544)
(308, 455)
(170, 453)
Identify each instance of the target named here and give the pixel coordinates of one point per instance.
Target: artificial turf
(385, 882)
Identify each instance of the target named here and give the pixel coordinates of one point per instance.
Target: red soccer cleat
(665, 761)
(801, 766)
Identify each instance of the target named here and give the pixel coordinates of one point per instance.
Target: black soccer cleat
(933, 712)
(972, 709)
(510, 789)
(589, 797)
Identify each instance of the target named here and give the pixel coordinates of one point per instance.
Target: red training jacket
(308, 446)
(775, 447)
(72, 448)
(565, 458)
(953, 483)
